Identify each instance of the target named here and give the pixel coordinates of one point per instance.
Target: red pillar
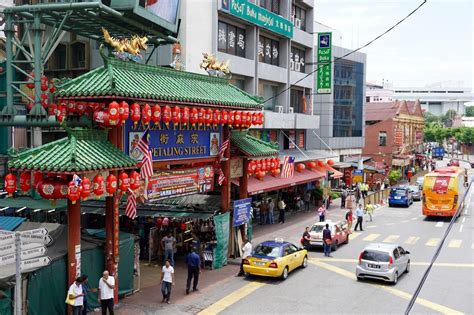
(73, 240)
(244, 180)
(225, 188)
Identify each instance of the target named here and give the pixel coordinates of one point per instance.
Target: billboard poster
(165, 9)
(173, 142)
(242, 209)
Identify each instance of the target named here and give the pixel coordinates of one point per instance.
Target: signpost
(26, 250)
(242, 208)
(324, 74)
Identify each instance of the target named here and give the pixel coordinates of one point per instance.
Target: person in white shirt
(106, 293)
(167, 280)
(75, 294)
(247, 252)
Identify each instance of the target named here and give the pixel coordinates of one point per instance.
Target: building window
(382, 138)
(268, 50)
(231, 39)
(78, 55)
(298, 17)
(289, 139)
(297, 59)
(297, 101)
(270, 5)
(348, 98)
(268, 92)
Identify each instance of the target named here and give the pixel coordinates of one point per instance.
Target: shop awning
(135, 81)
(252, 146)
(307, 155)
(336, 174)
(30, 203)
(341, 165)
(270, 183)
(10, 223)
(400, 162)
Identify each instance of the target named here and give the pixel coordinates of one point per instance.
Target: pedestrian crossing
(410, 240)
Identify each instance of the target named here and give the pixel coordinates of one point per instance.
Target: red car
(453, 162)
(339, 233)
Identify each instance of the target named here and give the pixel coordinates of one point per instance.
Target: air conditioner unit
(298, 23)
(291, 110)
(279, 109)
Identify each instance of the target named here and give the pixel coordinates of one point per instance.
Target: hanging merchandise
(98, 182)
(124, 111)
(111, 184)
(135, 113)
(156, 114)
(74, 192)
(86, 188)
(10, 184)
(311, 165)
(146, 114)
(25, 181)
(185, 115)
(113, 111)
(166, 115)
(134, 180)
(176, 115)
(124, 181)
(194, 116)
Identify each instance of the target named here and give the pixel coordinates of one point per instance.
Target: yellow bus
(443, 191)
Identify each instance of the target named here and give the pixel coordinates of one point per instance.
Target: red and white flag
(131, 209)
(221, 178)
(143, 146)
(288, 168)
(224, 147)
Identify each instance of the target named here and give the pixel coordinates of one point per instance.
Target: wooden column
(225, 188)
(244, 180)
(73, 240)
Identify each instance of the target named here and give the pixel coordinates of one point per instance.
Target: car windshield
(317, 228)
(266, 250)
(399, 192)
(374, 255)
(414, 188)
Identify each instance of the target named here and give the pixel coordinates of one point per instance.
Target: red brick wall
(371, 145)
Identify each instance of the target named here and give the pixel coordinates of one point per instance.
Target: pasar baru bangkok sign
(173, 142)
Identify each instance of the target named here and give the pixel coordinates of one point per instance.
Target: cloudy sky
(435, 44)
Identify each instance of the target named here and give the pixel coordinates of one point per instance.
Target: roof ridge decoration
(253, 146)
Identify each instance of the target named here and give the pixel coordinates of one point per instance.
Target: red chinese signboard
(398, 139)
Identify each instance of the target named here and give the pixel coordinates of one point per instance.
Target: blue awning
(10, 223)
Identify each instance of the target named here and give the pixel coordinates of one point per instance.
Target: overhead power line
(352, 51)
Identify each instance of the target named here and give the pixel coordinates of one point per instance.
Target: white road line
(390, 224)
(405, 221)
(463, 220)
(371, 226)
(391, 238)
(412, 240)
(371, 237)
(455, 243)
(460, 228)
(432, 242)
(439, 224)
(414, 219)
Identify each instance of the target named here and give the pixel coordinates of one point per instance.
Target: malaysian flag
(147, 162)
(288, 167)
(224, 147)
(131, 209)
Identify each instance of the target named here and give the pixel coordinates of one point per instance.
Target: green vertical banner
(221, 226)
(324, 74)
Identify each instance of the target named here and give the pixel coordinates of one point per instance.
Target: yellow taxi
(275, 259)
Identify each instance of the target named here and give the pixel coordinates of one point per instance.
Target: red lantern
(251, 167)
(44, 81)
(45, 103)
(53, 188)
(135, 113)
(311, 165)
(37, 177)
(176, 115)
(260, 118)
(73, 192)
(238, 118)
(260, 175)
(134, 180)
(25, 181)
(272, 163)
(61, 113)
(185, 115)
(70, 107)
(146, 114)
(225, 117)
(194, 117)
(264, 165)
(201, 116)
(52, 89)
(254, 119)
(124, 181)
(81, 108)
(276, 172)
(320, 163)
(166, 115)
(244, 118)
(29, 105)
(86, 188)
(269, 164)
(258, 166)
(111, 184)
(208, 116)
(216, 117)
(231, 118)
(124, 111)
(31, 86)
(300, 167)
(52, 109)
(102, 119)
(277, 163)
(98, 182)
(330, 162)
(113, 111)
(10, 184)
(156, 114)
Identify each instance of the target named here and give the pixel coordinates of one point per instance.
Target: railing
(377, 196)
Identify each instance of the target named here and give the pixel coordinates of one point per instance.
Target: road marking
(232, 298)
(371, 237)
(439, 224)
(354, 235)
(372, 227)
(404, 295)
(405, 221)
(412, 240)
(432, 242)
(455, 243)
(463, 219)
(413, 219)
(391, 238)
(390, 223)
(413, 263)
(460, 228)
(472, 246)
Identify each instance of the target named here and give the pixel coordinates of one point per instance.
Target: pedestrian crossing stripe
(354, 235)
(432, 242)
(371, 237)
(391, 238)
(455, 243)
(412, 240)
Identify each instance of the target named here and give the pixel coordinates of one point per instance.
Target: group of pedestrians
(77, 294)
(267, 209)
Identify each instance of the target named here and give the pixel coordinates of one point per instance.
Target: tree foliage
(435, 132)
(469, 111)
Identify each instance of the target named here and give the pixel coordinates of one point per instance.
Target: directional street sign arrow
(6, 239)
(6, 232)
(7, 259)
(25, 246)
(35, 263)
(32, 253)
(41, 231)
(7, 249)
(36, 238)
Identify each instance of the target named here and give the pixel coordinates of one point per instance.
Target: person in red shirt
(349, 219)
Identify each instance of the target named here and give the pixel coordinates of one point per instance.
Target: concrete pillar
(244, 180)
(73, 240)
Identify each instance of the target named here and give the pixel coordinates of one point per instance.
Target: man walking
(263, 211)
(194, 268)
(271, 207)
(281, 208)
(167, 280)
(247, 252)
(86, 288)
(307, 200)
(306, 238)
(343, 198)
(106, 293)
(360, 217)
(76, 295)
(327, 241)
(168, 244)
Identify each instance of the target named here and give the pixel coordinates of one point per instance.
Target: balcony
(307, 82)
(272, 73)
(238, 65)
(275, 120)
(303, 38)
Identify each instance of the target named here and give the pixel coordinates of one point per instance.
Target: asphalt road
(328, 285)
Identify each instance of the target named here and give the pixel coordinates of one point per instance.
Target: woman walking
(322, 213)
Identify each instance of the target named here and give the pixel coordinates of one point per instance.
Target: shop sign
(173, 142)
(180, 182)
(259, 16)
(236, 168)
(398, 139)
(242, 211)
(324, 74)
(357, 176)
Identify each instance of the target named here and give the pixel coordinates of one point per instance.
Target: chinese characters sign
(254, 14)
(324, 74)
(398, 139)
(174, 142)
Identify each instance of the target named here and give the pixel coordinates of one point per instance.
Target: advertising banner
(173, 142)
(324, 74)
(242, 209)
(221, 225)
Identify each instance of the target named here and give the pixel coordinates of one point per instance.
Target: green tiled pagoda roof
(82, 150)
(252, 146)
(137, 81)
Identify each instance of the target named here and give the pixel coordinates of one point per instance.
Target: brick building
(394, 133)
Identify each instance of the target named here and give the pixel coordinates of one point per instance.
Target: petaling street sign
(259, 16)
(174, 142)
(324, 74)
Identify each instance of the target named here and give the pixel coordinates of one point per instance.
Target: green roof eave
(251, 146)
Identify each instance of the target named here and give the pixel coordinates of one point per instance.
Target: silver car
(385, 262)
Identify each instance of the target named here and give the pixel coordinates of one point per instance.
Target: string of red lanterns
(261, 166)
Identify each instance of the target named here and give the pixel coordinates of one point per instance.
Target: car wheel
(395, 278)
(305, 262)
(390, 205)
(284, 274)
(407, 270)
(334, 246)
(246, 274)
(360, 278)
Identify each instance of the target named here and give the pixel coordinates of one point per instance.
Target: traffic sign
(41, 231)
(6, 239)
(7, 259)
(35, 263)
(32, 253)
(36, 238)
